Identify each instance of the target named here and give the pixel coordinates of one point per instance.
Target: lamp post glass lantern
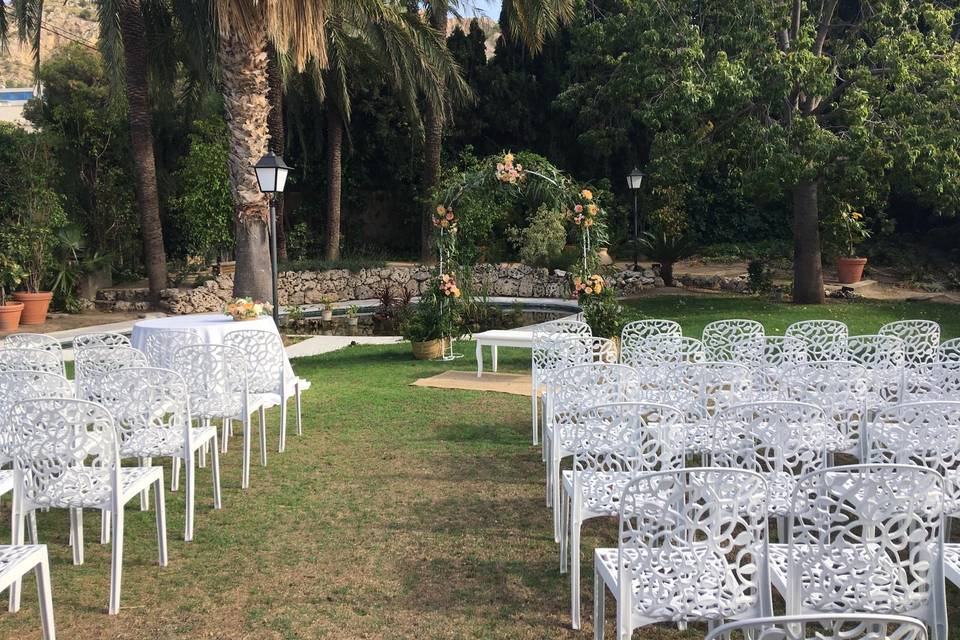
(634, 181)
(272, 173)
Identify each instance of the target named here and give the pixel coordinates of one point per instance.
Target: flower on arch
(507, 173)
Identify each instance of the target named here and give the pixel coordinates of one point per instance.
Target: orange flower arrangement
(448, 286)
(585, 211)
(247, 309)
(508, 173)
(591, 285)
(445, 219)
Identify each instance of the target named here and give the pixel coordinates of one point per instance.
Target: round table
(211, 327)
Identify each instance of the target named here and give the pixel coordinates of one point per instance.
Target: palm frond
(533, 21)
(296, 26)
(3, 25)
(28, 14)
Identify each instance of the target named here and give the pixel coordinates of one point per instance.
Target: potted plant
(326, 313)
(853, 231)
(352, 313)
(436, 319)
(11, 275)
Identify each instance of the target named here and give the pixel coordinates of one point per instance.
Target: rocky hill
(63, 21)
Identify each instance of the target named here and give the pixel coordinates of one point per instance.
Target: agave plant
(667, 248)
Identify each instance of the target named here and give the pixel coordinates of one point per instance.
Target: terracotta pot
(35, 306)
(10, 316)
(327, 315)
(429, 350)
(850, 270)
(604, 255)
(352, 322)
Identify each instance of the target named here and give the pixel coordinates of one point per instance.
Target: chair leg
(161, 508)
(44, 593)
(76, 528)
(189, 497)
(283, 426)
(564, 531)
(175, 474)
(555, 480)
(17, 524)
(105, 527)
(599, 591)
(245, 472)
(116, 562)
(575, 525)
(32, 528)
(202, 458)
(215, 462)
(262, 419)
(226, 432)
(533, 414)
(145, 494)
(299, 411)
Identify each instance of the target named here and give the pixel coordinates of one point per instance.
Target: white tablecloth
(211, 327)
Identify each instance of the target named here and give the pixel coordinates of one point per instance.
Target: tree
(123, 17)
(532, 22)
(828, 100)
(245, 27)
(413, 57)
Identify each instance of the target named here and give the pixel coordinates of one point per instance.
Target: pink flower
(578, 208)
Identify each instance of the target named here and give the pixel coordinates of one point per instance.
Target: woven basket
(429, 350)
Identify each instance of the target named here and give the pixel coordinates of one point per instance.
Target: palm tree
(296, 28)
(122, 21)
(414, 58)
(531, 21)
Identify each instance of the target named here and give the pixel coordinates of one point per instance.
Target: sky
(490, 8)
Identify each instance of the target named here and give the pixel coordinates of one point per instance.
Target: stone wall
(311, 287)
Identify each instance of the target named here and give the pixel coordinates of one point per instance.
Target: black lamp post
(272, 177)
(634, 180)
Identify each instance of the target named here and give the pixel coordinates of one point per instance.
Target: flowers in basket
(444, 219)
(585, 210)
(589, 286)
(247, 309)
(448, 285)
(508, 172)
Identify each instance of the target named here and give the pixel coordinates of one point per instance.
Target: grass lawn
(402, 512)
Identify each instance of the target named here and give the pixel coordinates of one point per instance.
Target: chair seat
(689, 584)
(160, 442)
(859, 577)
(89, 488)
(6, 481)
(201, 407)
(17, 560)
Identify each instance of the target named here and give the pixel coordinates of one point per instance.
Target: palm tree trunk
(134, 35)
(432, 143)
(243, 64)
(807, 270)
(334, 178)
(277, 138)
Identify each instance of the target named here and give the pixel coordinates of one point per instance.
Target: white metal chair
(921, 338)
(614, 444)
(948, 351)
(34, 341)
(700, 390)
(577, 388)
(266, 372)
(216, 377)
(66, 456)
(100, 339)
(151, 411)
(16, 561)
(720, 336)
(825, 339)
(639, 330)
(30, 359)
(648, 354)
(692, 548)
(842, 390)
(544, 360)
(782, 441)
(92, 362)
(161, 346)
(926, 434)
(884, 358)
(767, 358)
(866, 538)
(823, 626)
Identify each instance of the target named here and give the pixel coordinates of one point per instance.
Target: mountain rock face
(64, 21)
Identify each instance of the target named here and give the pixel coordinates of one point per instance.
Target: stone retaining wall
(311, 287)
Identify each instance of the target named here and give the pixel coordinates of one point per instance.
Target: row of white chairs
(66, 439)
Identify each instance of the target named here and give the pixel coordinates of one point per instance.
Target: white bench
(500, 338)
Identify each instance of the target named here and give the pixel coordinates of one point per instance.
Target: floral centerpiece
(247, 309)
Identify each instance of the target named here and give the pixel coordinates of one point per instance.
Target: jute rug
(513, 383)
